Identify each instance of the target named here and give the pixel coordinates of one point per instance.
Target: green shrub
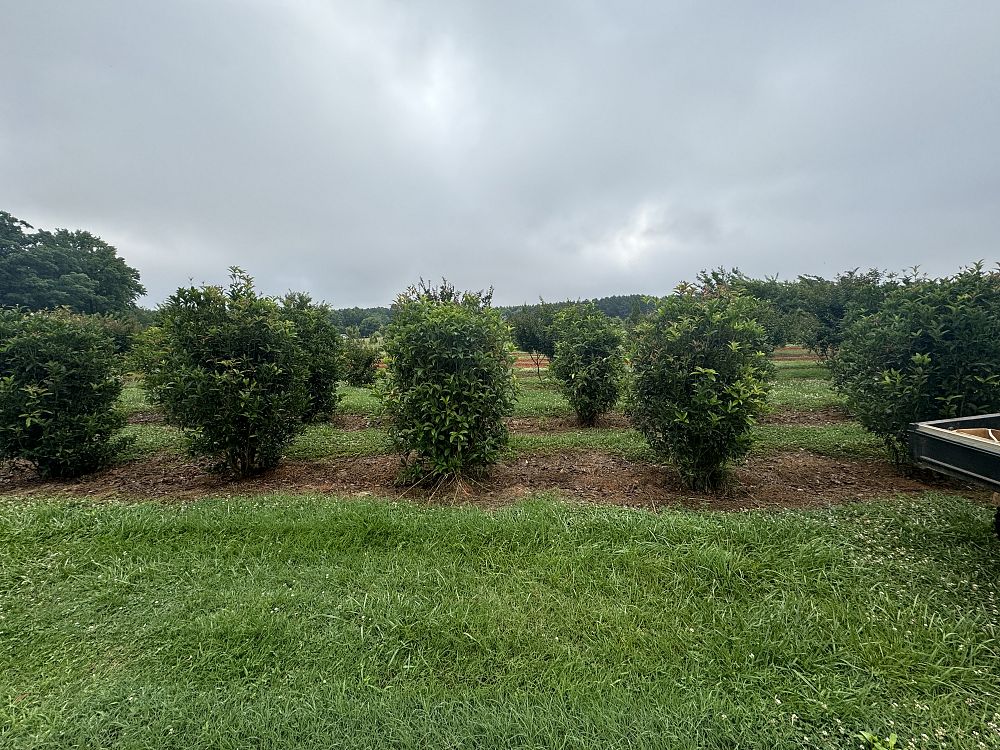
(450, 381)
(588, 361)
(361, 360)
(777, 301)
(321, 342)
(58, 388)
(122, 328)
(701, 377)
(531, 328)
(830, 306)
(229, 370)
(931, 352)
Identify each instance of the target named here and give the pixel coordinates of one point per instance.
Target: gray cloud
(564, 149)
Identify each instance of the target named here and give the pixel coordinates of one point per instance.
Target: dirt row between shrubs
(535, 425)
(784, 480)
(613, 421)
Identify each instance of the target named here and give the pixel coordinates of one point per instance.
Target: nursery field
(579, 597)
(808, 453)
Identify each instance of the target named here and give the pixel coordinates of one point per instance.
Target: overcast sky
(562, 149)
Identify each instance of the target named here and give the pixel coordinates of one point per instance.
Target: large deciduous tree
(42, 270)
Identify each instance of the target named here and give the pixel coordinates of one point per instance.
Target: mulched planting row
(793, 479)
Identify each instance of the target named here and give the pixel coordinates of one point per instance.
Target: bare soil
(813, 418)
(796, 353)
(353, 421)
(538, 425)
(147, 416)
(784, 480)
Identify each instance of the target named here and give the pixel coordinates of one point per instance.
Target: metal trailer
(935, 445)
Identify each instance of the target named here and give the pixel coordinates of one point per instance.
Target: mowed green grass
(842, 440)
(311, 622)
(797, 369)
(134, 399)
(806, 394)
(539, 398)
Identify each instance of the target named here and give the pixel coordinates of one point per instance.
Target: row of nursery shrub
(930, 351)
(242, 374)
(699, 378)
(239, 373)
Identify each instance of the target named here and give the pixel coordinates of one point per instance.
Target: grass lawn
(794, 370)
(313, 622)
(358, 401)
(540, 398)
(134, 399)
(804, 394)
(842, 440)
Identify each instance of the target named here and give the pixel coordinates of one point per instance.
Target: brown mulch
(537, 425)
(353, 421)
(813, 418)
(148, 416)
(797, 353)
(783, 480)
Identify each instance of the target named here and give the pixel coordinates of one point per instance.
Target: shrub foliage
(361, 360)
(450, 381)
(931, 352)
(321, 342)
(229, 369)
(531, 328)
(588, 362)
(58, 387)
(830, 306)
(701, 377)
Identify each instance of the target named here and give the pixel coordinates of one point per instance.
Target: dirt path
(811, 418)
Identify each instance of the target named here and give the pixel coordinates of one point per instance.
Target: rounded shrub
(930, 352)
(59, 382)
(228, 369)
(321, 342)
(450, 382)
(361, 360)
(588, 362)
(701, 376)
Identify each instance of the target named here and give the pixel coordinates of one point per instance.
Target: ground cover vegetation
(305, 621)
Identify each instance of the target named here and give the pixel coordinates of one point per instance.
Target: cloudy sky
(562, 149)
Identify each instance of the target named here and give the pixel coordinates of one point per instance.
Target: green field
(542, 400)
(316, 622)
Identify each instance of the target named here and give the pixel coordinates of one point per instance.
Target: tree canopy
(44, 269)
